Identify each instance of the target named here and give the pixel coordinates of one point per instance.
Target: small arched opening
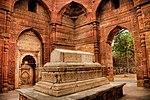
(29, 57)
(122, 45)
(28, 71)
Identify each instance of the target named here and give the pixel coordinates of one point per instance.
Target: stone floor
(131, 91)
(11, 95)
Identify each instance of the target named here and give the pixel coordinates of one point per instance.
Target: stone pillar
(1, 63)
(5, 65)
(146, 32)
(141, 70)
(6, 51)
(54, 38)
(96, 41)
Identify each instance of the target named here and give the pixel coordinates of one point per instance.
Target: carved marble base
(70, 71)
(68, 88)
(62, 78)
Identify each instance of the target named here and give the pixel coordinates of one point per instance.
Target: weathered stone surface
(60, 89)
(104, 92)
(91, 30)
(63, 76)
(61, 55)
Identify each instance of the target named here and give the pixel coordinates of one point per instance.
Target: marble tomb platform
(71, 72)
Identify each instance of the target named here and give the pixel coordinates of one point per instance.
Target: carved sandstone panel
(86, 48)
(2, 21)
(29, 41)
(1, 52)
(147, 39)
(146, 14)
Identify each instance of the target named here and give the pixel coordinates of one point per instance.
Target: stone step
(113, 90)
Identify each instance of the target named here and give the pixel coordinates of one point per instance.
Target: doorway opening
(123, 55)
(28, 71)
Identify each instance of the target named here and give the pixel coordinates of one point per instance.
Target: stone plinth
(70, 72)
(112, 91)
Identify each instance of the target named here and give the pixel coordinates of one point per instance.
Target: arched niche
(113, 17)
(74, 18)
(27, 71)
(36, 7)
(29, 53)
(72, 11)
(113, 33)
(109, 43)
(112, 5)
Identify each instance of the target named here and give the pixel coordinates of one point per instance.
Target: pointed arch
(28, 54)
(25, 73)
(116, 30)
(63, 9)
(42, 2)
(100, 6)
(29, 58)
(34, 31)
(29, 47)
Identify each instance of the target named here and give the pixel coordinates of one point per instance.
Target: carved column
(96, 41)
(146, 34)
(53, 38)
(142, 70)
(6, 47)
(53, 32)
(1, 63)
(5, 65)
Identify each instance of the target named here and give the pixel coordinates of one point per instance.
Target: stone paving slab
(34, 95)
(132, 92)
(11, 95)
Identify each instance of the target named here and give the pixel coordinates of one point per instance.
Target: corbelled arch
(68, 4)
(64, 5)
(65, 10)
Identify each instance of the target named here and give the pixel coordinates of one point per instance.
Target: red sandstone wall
(146, 23)
(24, 19)
(1, 64)
(109, 19)
(2, 30)
(49, 24)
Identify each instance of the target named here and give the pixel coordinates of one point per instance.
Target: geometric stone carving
(26, 76)
(70, 72)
